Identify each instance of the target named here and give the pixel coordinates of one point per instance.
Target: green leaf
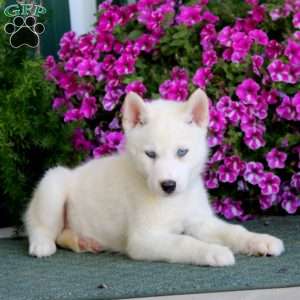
(133, 35)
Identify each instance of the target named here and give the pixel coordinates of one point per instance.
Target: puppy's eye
(181, 152)
(151, 154)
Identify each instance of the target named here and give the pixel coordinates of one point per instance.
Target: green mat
(68, 275)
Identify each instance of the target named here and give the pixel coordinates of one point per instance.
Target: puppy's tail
(44, 218)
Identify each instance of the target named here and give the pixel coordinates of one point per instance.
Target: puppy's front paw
(263, 244)
(42, 247)
(219, 256)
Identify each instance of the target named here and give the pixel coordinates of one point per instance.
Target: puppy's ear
(198, 108)
(133, 111)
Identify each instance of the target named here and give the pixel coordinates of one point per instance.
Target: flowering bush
(246, 57)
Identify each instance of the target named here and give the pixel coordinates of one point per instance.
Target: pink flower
(179, 74)
(227, 53)
(189, 15)
(118, 47)
(217, 121)
(269, 183)
(83, 89)
(286, 110)
(147, 4)
(254, 140)
(260, 110)
(294, 73)
(280, 72)
(296, 20)
(211, 180)
(228, 208)
(114, 124)
(132, 49)
(237, 56)
(237, 110)
(276, 14)
(257, 62)
(224, 36)
(49, 63)
(146, 42)
(248, 121)
(80, 142)
(271, 97)
(252, 2)
(295, 181)
(253, 172)
(68, 44)
(215, 138)
(208, 36)
(58, 102)
(152, 19)
(202, 77)
(72, 63)
(219, 154)
(266, 201)
(109, 19)
(296, 102)
(174, 90)
(73, 115)
(290, 202)
(108, 62)
(68, 83)
(258, 13)
(112, 98)
(227, 174)
(101, 151)
(224, 105)
(241, 42)
(128, 13)
(88, 107)
(209, 17)
(250, 125)
(259, 36)
(273, 49)
(104, 41)
(209, 58)
(86, 46)
(114, 140)
(296, 35)
(232, 209)
(235, 163)
(107, 4)
(137, 87)
(292, 51)
(89, 67)
(276, 159)
(247, 91)
(125, 64)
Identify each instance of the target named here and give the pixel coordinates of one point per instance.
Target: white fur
(118, 200)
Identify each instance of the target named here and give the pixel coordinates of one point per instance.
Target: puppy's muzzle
(168, 186)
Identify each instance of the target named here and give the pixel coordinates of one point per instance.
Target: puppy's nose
(168, 186)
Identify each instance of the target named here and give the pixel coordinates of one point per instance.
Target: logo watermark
(24, 29)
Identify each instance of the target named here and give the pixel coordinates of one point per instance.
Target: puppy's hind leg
(68, 239)
(44, 218)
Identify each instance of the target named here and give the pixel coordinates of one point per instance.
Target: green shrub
(32, 138)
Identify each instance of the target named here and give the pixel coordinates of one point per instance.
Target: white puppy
(148, 202)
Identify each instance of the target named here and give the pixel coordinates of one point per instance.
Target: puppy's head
(166, 140)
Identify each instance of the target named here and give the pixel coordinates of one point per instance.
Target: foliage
(31, 136)
(244, 54)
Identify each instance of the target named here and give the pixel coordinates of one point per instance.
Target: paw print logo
(24, 31)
